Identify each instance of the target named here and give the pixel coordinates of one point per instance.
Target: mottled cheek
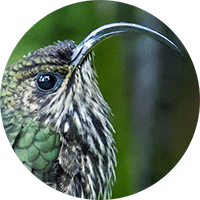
(28, 98)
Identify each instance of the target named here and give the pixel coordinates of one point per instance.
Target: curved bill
(103, 32)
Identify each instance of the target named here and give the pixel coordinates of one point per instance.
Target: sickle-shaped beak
(103, 32)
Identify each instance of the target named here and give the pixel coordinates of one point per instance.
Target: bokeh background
(152, 91)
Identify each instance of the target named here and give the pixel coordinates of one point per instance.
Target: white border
(181, 16)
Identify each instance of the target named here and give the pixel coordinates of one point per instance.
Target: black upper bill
(103, 32)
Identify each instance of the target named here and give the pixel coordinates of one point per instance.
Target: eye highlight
(48, 82)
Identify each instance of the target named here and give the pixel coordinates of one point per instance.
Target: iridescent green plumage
(35, 143)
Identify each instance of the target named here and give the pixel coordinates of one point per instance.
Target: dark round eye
(46, 81)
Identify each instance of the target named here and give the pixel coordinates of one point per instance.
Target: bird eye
(48, 82)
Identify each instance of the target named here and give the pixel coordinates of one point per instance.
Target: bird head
(51, 82)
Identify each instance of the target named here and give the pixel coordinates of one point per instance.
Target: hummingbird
(56, 119)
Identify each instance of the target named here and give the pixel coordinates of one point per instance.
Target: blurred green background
(152, 91)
